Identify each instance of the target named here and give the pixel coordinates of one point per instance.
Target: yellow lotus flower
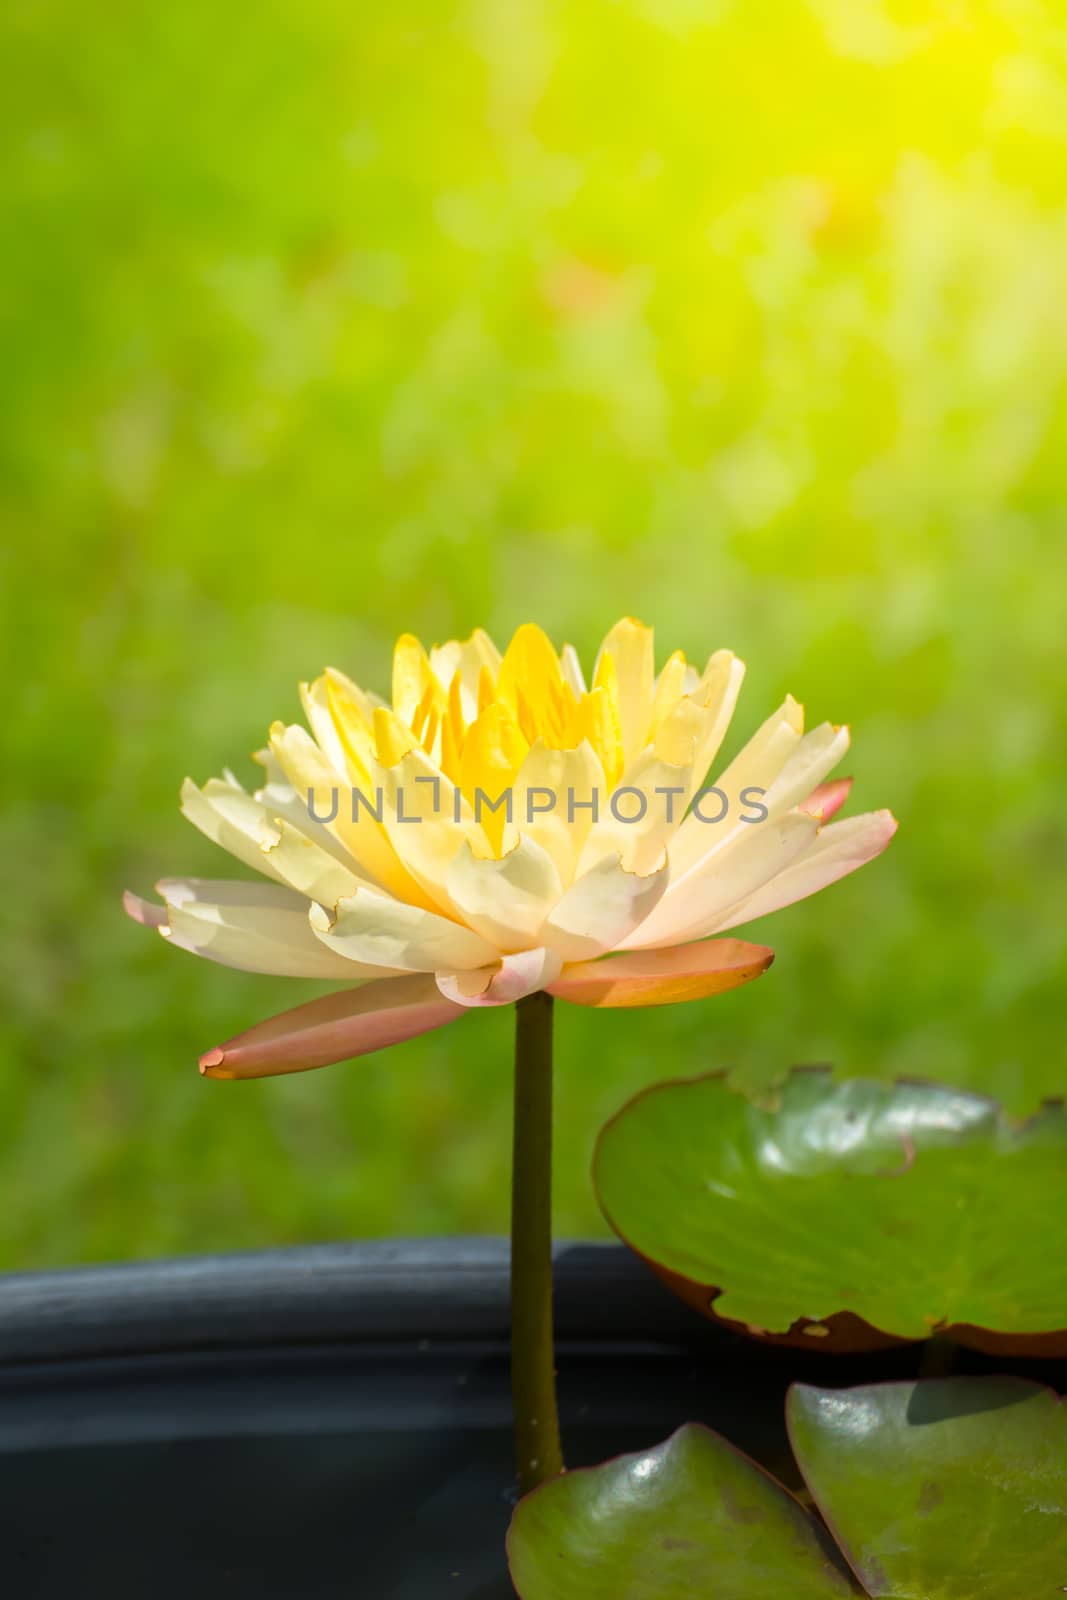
(501, 827)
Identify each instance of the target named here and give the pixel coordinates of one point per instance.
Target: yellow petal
(670, 687)
(453, 735)
(530, 683)
(630, 646)
(427, 820)
(424, 711)
(596, 718)
(493, 752)
(392, 737)
(352, 715)
(315, 699)
(412, 675)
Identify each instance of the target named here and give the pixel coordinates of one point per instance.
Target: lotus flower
(503, 827)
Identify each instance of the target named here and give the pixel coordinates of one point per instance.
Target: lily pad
(947, 1489)
(942, 1490)
(692, 1517)
(847, 1212)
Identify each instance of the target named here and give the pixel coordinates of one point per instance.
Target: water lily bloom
(503, 825)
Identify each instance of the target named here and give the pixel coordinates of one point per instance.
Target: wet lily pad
(948, 1489)
(690, 1518)
(940, 1490)
(847, 1212)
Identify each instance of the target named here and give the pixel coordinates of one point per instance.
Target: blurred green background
(323, 322)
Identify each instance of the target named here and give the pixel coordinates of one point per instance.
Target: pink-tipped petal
(663, 977)
(146, 912)
(825, 801)
(350, 1023)
(510, 979)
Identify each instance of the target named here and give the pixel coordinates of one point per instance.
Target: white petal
(640, 816)
(817, 754)
(280, 800)
(839, 849)
(467, 657)
(813, 757)
(230, 818)
(505, 900)
(257, 927)
(646, 810)
(245, 826)
(376, 929)
(355, 825)
(508, 980)
(571, 668)
(693, 911)
(755, 767)
(717, 690)
(553, 792)
(602, 909)
(305, 866)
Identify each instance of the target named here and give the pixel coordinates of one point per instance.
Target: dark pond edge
(364, 1291)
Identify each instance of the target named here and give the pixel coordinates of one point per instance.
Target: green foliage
(914, 1207)
(320, 324)
(939, 1490)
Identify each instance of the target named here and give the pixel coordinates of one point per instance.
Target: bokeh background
(324, 322)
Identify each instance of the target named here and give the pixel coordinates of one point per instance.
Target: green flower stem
(533, 1364)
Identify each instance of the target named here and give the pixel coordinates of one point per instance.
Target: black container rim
(452, 1289)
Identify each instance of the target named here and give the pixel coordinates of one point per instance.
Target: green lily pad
(945, 1489)
(690, 1518)
(942, 1490)
(848, 1212)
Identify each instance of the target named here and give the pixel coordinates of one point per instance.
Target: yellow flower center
(477, 714)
